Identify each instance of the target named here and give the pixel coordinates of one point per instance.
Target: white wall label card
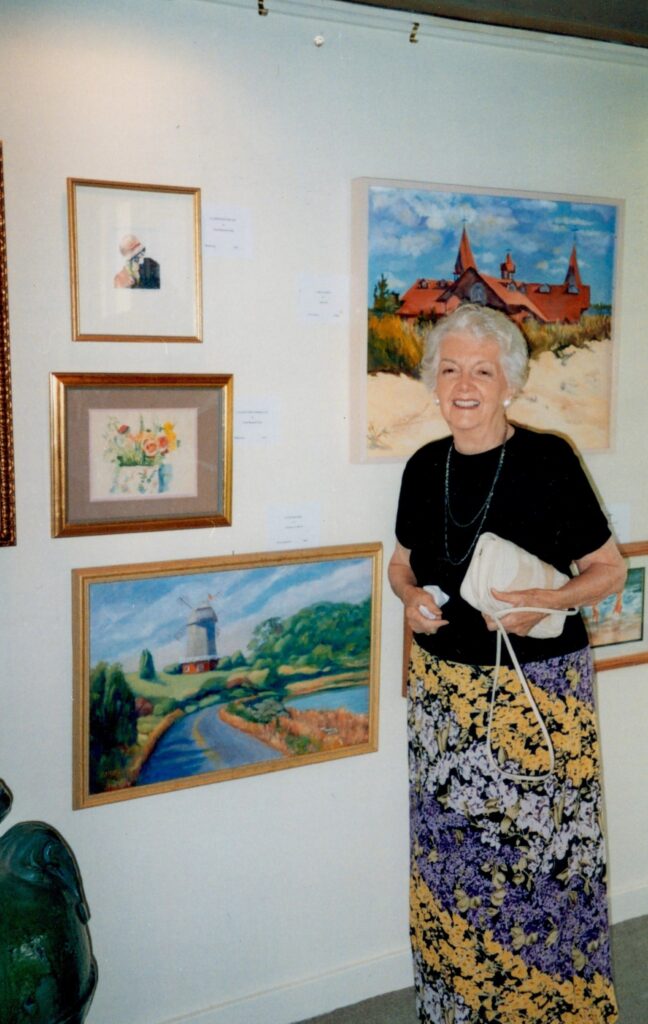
(618, 514)
(293, 526)
(323, 298)
(227, 230)
(256, 420)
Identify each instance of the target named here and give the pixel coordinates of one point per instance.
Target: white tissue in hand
(439, 595)
(426, 613)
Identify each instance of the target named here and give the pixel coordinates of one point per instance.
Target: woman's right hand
(414, 598)
(422, 613)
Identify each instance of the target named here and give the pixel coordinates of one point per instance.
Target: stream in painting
(201, 742)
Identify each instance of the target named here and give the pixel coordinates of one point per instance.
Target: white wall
(280, 896)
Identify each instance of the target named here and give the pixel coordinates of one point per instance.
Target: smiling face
(471, 388)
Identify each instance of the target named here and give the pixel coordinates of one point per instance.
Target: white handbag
(500, 564)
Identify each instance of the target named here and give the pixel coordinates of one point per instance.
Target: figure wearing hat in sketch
(139, 271)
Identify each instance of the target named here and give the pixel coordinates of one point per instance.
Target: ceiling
(615, 21)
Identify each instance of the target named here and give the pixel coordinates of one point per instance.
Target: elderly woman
(508, 886)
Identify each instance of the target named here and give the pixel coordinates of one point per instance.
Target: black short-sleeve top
(542, 501)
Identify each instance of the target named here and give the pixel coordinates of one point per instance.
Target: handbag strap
(501, 633)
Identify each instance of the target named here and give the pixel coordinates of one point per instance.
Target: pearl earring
(436, 401)
(506, 403)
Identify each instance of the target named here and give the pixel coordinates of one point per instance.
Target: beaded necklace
(481, 512)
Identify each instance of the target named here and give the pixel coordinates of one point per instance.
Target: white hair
(483, 324)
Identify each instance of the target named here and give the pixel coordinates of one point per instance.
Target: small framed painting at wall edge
(617, 626)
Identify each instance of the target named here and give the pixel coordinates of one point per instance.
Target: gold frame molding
(73, 399)
(7, 482)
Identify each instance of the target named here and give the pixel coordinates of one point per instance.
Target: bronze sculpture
(48, 974)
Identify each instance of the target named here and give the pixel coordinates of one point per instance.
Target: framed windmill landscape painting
(547, 261)
(211, 669)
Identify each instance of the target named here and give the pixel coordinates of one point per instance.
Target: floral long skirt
(508, 885)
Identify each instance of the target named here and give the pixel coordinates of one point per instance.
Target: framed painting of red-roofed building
(548, 261)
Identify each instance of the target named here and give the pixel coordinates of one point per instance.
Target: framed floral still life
(201, 671)
(135, 261)
(7, 488)
(133, 452)
(617, 625)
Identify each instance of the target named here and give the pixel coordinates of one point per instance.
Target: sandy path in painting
(569, 395)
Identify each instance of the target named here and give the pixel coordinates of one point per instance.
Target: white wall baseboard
(312, 996)
(363, 980)
(629, 903)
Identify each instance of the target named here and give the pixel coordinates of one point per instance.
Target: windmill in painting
(201, 654)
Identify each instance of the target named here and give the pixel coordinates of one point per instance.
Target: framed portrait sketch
(135, 261)
(193, 672)
(617, 625)
(7, 491)
(140, 452)
(548, 261)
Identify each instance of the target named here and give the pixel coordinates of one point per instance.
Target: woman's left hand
(521, 623)
(601, 573)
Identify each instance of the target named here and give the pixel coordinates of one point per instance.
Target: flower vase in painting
(140, 457)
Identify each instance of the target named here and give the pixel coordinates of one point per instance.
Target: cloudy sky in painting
(127, 616)
(414, 232)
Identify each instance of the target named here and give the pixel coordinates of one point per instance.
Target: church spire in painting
(465, 258)
(572, 277)
(521, 299)
(507, 268)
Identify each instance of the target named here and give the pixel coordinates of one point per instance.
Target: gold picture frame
(206, 670)
(135, 451)
(7, 485)
(135, 261)
(621, 619)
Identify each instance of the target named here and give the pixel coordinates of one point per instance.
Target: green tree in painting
(113, 725)
(265, 636)
(235, 660)
(384, 299)
(147, 665)
(329, 635)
